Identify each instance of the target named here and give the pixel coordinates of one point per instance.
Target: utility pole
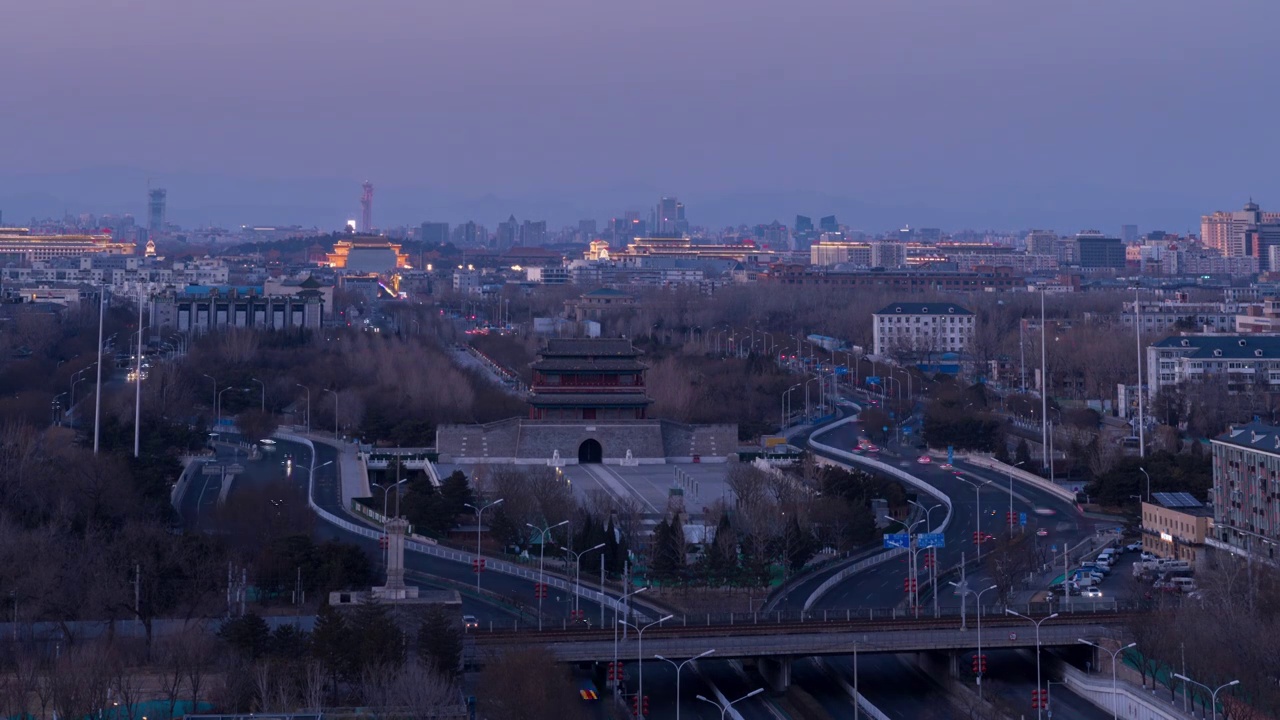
(97, 401)
(1044, 388)
(137, 382)
(1142, 435)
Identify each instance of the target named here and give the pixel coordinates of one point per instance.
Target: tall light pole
(1144, 472)
(786, 397)
(215, 396)
(1115, 697)
(1039, 709)
(933, 551)
(1213, 696)
(386, 489)
(616, 622)
(977, 611)
(137, 388)
(479, 510)
(97, 400)
(724, 709)
(335, 410)
(679, 667)
(1044, 390)
(264, 393)
(304, 387)
(640, 651)
(218, 402)
(1137, 326)
(977, 518)
(542, 556)
(577, 571)
(1019, 463)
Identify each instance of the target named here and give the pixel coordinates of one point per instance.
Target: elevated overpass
(774, 644)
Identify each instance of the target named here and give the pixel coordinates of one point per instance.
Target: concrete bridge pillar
(776, 671)
(940, 663)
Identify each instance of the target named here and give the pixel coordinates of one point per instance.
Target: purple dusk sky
(1161, 108)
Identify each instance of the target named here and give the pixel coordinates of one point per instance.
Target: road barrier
(990, 463)
(458, 556)
(880, 467)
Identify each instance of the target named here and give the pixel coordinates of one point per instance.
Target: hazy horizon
(999, 115)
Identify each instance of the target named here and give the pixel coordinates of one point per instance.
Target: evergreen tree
(799, 546)
(1023, 454)
(457, 493)
(722, 556)
(378, 644)
(440, 641)
(331, 642)
(667, 560)
(248, 636)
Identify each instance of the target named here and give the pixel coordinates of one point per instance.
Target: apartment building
(1246, 489)
(922, 328)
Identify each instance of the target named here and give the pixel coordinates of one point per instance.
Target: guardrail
(1017, 473)
(887, 469)
(433, 550)
(1130, 702)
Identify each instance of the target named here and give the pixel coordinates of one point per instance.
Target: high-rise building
(829, 224)
(1128, 234)
(435, 233)
(1042, 242)
(586, 230)
(668, 215)
(156, 201)
(533, 234)
(508, 233)
(1227, 232)
(804, 224)
(468, 235)
(1260, 240)
(366, 207)
(1095, 250)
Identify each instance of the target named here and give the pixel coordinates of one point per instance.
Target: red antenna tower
(366, 208)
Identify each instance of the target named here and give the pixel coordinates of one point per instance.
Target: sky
(977, 113)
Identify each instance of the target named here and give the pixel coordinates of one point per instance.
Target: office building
(1042, 242)
(1238, 363)
(1160, 315)
(1128, 234)
(828, 224)
(366, 207)
(202, 309)
(1095, 250)
(1227, 232)
(1261, 240)
(533, 234)
(434, 233)
(1246, 489)
(668, 216)
(839, 252)
(888, 255)
(804, 224)
(586, 230)
(508, 233)
(156, 201)
(1175, 526)
(918, 330)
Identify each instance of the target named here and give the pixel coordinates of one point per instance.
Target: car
(1147, 557)
(470, 622)
(924, 459)
(1092, 593)
(872, 448)
(1133, 547)
(1042, 533)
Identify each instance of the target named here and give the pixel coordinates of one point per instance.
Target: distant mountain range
(203, 200)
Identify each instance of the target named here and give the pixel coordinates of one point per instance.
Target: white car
(924, 460)
(1092, 593)
(469, 622)
(1133, 547)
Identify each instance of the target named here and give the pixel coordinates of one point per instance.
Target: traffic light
(635, 706)
(477, 566)
(977, 538)
(1010, 517)
(614, 671)
(909, 585)
(644, 706)
(1039, 700)
(383, 541)
(928, 559)
(540, 591)
(979, 664)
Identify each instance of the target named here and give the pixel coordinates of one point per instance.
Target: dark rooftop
(1254, 436)
(596, 348)
(1224, 346)
(630, 399)
(916, 308)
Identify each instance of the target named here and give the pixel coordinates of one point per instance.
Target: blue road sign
(897, 540)
(951, 455)
(931, 540)
(1053, 548)
(1022, 518)
(873, 379)
(884, 428)
(906, 429)
(842, 370)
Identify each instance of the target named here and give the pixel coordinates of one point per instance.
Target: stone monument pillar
(395, 589)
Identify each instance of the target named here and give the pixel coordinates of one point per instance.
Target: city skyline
(999, 116)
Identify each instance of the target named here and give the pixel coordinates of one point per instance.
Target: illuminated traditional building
(367, 253)
(19, 242)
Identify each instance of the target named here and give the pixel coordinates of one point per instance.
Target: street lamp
(542, 556)
(1017, 464)
(479, 510)
(304, 387)
(640, 650)
(933, 568)
(386, 491)
(977, 610)
(264, 393)
(1144, 472)
(621, 601)
(977, 516)
(724, 709)
(335, 410)
(577, 571)
(786, 402)
(1213, 697)
(218, 399)
(1115, 698)
(311, 478)
(679, 667)
(1039, 713)
(215, 391)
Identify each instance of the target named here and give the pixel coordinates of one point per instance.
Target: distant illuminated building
(156, 201)
(366, 208)
(367, 253)
(19, 242)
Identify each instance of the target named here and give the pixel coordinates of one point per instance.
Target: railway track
(558, 635)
